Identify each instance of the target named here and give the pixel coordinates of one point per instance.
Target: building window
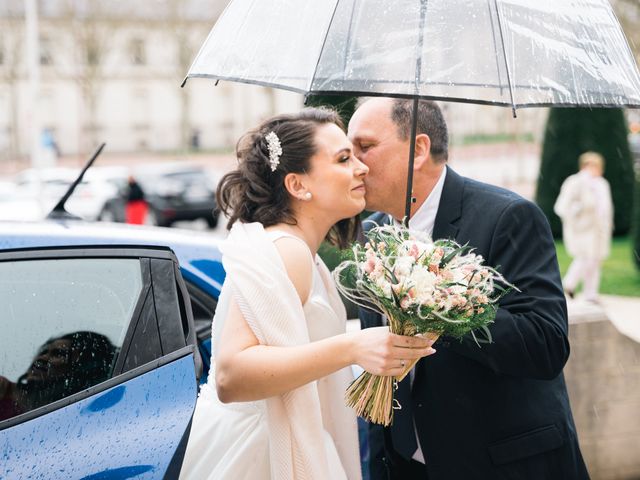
(137, 51)
(45, 51)
(93, 55)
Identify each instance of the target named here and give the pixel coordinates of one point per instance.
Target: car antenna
(59, 212)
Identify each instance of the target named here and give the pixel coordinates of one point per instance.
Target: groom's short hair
(430, 122)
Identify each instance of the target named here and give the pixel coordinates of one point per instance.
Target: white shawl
(268, 300)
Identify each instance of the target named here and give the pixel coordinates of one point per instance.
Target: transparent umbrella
(514, 53)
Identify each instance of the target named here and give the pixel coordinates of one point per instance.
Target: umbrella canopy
(515, 53)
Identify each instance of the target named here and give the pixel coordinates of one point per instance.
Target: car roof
(44, 174)
(198, 252)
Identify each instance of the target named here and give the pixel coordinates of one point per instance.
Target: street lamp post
(33, 69)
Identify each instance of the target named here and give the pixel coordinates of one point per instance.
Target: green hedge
(571, 132)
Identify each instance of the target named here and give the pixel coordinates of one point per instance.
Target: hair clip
(275, 150)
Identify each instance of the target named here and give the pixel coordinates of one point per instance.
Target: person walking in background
(49, 150)
(136, 208)
(586, 210)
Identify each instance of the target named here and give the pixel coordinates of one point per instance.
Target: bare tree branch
(11, 49)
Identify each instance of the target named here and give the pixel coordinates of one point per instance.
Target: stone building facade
(111, 71)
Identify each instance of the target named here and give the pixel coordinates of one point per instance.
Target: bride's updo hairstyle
(256, 193)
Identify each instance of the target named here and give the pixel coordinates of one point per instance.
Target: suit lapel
(445, 226)
(450, 207)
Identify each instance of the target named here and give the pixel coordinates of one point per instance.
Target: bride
(281, 357)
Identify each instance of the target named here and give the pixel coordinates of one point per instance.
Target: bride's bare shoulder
(298, 262)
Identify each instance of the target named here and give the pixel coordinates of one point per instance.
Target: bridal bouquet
(423, 287)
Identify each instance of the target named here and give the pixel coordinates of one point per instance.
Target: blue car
(105, 335)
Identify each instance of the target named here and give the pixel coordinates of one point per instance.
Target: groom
(499, 411)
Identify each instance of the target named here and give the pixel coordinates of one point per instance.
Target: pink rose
(369, 265)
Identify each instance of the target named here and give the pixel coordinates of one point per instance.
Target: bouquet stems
(371, 396)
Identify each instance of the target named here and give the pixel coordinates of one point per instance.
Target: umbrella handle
(412, 153)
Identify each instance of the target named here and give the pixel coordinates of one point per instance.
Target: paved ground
(603, 380)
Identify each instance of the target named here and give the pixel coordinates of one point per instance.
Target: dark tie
(402, 433)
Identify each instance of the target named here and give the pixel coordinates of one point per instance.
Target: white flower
(403, 265)
(461, 275)
(415, 248)
(384, 285)
(424, 282)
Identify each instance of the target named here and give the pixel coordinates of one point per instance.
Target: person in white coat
(586, 210)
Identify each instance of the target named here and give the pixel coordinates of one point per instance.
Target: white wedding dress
(232, 441)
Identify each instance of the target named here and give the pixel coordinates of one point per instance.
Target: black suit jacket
(499, 411)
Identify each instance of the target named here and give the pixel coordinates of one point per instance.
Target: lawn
(619, 274)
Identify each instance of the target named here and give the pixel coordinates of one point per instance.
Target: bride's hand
(380, 352)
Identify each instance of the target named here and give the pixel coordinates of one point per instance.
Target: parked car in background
(174, 192)
(36, 191)
(51, 182)
(18, 205)
(106, 329)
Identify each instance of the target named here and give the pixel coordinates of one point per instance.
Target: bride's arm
(246, 370)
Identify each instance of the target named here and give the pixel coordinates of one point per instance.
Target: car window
(193, 176)
(203, 307)
(184, 174)
(200, 312)
(63, 322)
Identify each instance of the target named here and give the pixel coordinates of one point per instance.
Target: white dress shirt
(423, 220)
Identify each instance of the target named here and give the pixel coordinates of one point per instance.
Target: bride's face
(336, 178)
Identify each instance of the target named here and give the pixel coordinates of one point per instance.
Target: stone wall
(603, 378)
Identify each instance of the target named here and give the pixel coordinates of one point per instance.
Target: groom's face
(377, 144)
